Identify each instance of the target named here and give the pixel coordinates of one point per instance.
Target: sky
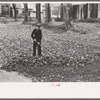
(32, 5)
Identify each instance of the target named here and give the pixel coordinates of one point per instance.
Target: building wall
(75, 11)
(0, 9)
(90, 11)
(94, 10)
(98, 10)
(84, 11)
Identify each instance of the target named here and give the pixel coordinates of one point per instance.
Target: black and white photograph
(49, 42)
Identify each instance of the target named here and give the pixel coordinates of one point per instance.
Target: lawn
(63, 59)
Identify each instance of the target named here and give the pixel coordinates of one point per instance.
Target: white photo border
(50, 89)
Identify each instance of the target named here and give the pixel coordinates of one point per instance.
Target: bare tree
(47, 13)
(38, 12)
(25, 12)
(15, 11)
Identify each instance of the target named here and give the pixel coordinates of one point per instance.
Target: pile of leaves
(91, 20)
(66, 60)
(85, 28)
(57, 28)
(69, 67)
(77, 27)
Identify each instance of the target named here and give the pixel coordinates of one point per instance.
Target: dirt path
(12, 77)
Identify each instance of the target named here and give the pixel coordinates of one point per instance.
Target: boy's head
(38, 25)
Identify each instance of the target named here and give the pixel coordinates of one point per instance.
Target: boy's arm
(33, 35)
(41, 34)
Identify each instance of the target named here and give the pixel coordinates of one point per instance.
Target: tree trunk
(25, 12)
(67, 19)
(38, 12)
(61, 12)
(47, 13)
(15, 11)
(9, 11)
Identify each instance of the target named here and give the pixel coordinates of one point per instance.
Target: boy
(37, 36)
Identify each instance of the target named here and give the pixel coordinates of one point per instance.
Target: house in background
(6, 9)
(82, 11)
(85, 11)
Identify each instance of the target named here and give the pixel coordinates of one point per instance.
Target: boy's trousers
(36, 46)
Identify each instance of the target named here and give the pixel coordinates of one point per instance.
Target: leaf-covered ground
(68, 56)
